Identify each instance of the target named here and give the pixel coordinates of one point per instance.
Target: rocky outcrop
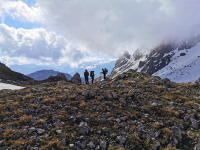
(76, 78)
(59, 77)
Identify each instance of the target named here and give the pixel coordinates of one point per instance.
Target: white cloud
(111, 27)
(20, 10)
(95, 27)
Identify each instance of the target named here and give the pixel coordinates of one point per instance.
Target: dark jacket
(86, 74)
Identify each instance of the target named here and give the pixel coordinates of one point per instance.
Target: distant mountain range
(44, 74)
(178, 62)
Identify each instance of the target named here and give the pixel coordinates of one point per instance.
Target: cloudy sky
(74, 32)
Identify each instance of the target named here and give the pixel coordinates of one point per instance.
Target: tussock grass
(49, 100)
(24, 120)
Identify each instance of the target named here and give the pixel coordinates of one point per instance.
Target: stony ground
(132, 111)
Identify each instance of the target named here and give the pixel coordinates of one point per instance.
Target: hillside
(7, 74)
(44, 74)
(132, 111)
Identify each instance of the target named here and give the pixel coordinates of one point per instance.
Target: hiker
(92, 75)
(86, 74)
(104, 71)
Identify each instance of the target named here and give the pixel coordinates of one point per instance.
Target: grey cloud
(111, 27)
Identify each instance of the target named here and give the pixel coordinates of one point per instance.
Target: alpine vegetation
(131, 111)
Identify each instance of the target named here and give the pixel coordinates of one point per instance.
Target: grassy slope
(6, 73)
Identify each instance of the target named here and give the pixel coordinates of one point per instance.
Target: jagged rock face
(157, 59)
(59, 77)
(137, 55)
(153, 61)
(76, 78)
(122, 60)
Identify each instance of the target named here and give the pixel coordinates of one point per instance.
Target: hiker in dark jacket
(92, 75)
(86, 74)
(104, 71)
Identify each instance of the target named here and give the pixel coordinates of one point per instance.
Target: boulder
(76, 78)
(59, 77)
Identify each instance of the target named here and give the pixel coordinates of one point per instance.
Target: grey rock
(31, 130)
(64, 142)
(12, 108)
(123, 124)
(114, 95)
(123, 119)
(1, 131)
(175, 141)
(188, 117)
(103, 145)
(108, 95)
(140, 127)
(16, 136)
(85, 93)
(176, 131)
(154, 104)
(37, 140)
(59, 131)
(57, 124)
(156, 134)
(1, 143)
(83, 131)
(78, 98)
(194, 123)
(103, 120)
(76, 78)
(156, 145)
(40, 131)
(121, 139)
(83, 124)
(197, 147)
(91, 145)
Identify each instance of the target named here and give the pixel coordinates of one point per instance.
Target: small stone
(83, 124)
(59, 131)
(91, 144)
(121, 140)
(40, 131)
(154, 104)
(197, 147)
(176, 131)
(71, 145)
(57, 124)
(83, 131)
(103, 145)
(194, 123)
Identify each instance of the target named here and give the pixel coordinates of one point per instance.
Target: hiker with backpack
(92, 75)
(104, 71)
(86, 74)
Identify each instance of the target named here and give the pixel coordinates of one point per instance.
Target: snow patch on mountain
(184, 65)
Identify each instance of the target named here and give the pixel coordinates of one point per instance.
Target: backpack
(91, 73)
(106, 71)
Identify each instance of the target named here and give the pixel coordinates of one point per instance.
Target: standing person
(105, 71)
(92, 75)
(86, 74)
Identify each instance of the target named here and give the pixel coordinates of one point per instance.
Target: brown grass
(49, 100)
(27, 96)
(24, 120)
(169, 112)
(8, 134)
(82, 104)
